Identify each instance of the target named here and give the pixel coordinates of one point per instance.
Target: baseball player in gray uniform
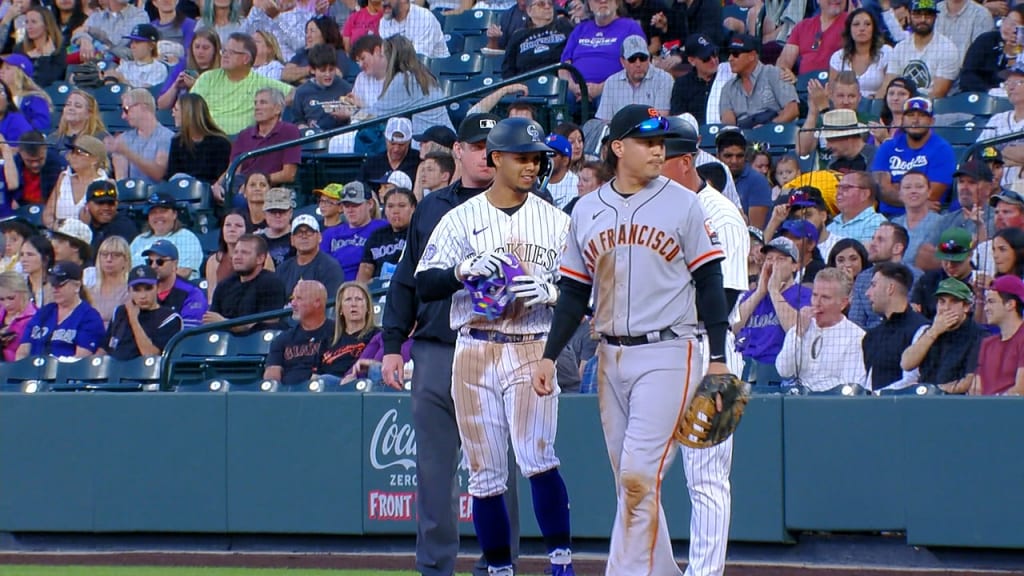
(504, 229)
(642, 245)
(707, 469)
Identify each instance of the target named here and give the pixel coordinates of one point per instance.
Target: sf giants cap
(476, 127)
(637, 121)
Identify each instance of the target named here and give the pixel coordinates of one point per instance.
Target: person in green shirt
(230, 90)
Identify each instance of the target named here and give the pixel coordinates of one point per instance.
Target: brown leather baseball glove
(715, 411)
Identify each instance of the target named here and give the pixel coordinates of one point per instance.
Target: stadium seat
(114, 121)
(871, 107)
(188, 362)
(473, 44)
(318, 384)
(917, 390)
(29, 375)
(193, 194)
(58, 93)
(245, 359)
(464, 65)
(961, 134)
(549, 87)
(708, 133)
(86, 374)
(973, 103)
(214, 385)
(166, 118)
(378, 287)
(594, 131)
(803, 79)
(470, 22)
(455, 42)
(492, 62)
(144, 371)
(108, 97)
(841, 390)
(463, 85)
(780, 138)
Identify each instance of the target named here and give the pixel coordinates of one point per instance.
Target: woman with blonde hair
(354, 327)
(81, 116)
(200, 148)
(16, 310)
(87, 161)
(113, 261)
(33, 103)
(43, 45)
(203, 55)
(269, 60)
(408, 83)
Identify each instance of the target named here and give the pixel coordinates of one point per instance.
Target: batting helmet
(490, 294)
(516, 135)
(682, 139)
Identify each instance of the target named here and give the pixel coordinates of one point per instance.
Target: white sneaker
(502, 571)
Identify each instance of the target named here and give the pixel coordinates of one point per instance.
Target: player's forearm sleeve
(572, 305)
(437, 284)
(731, 296)
(711, 302)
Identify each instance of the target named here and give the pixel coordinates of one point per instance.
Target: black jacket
(983, 63)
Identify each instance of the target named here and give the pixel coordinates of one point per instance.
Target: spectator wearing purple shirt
(369, 363)
(345, 241)
(595, 45)
(268, 130)
(765, 321)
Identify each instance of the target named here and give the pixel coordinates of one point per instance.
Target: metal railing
(442, 102)
(980, 144)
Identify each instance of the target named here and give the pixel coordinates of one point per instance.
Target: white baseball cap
(400, 179)
(76, 230)
(305, 220)
(398, 130)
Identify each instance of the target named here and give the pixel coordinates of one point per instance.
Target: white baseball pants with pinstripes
(707, 479)
(643, 391)
(494, 399)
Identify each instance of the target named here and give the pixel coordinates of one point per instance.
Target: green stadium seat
(90, 373)
(189, 361)
(780, 138)
(108, 97)
(144, 371)
(973, 103)
(29, 375)
(465, 65)
(470, 22)
(58, 93)
(455, 42)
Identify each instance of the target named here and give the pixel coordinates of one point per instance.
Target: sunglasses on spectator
(638, 57)
(108, 193)
(817, 41)
(157, 261)
(126, 109)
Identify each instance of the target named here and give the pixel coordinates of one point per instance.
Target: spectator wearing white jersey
(563, 184)
(419, 25)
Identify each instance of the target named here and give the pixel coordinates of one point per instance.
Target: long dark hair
(75, 19)
(886, 114)
(565, 129)
(1015, 238)
(849, 48)
(196, 121)
(328, 29)
(845, 243)
(222, 246)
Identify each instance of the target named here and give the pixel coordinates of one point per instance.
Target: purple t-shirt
(763, 335)
(595, 50)
(345, 244)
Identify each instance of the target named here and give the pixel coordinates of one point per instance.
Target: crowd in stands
(880, 256)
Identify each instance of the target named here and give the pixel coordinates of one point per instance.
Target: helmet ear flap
(490, 162)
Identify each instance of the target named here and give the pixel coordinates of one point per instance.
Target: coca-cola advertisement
(389, 471)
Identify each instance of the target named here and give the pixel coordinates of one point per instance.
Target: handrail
(442, 102)
(222, 326)
(973, 148)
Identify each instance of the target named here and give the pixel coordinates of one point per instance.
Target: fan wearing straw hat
(844, 137)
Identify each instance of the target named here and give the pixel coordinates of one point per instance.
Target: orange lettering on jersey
(659, 241)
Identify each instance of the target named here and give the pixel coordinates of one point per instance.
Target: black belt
(666, 334)
(501, 337)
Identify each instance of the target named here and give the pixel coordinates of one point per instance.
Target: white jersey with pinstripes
(728, 223)
(638, 252)
(536, 233)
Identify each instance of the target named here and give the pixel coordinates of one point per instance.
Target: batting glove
(534, 289)
(482, 265)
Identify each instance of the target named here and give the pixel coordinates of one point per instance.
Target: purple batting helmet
(490, 295)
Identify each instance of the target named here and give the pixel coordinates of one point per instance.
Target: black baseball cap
(144, 33)
(992, 154)
(476, 127)
(443, 135)
(700, 46)
(142, 274)
(63, 272)
(805, 197)
(730, 136)
(742, 43)
(974, 168)
(160, 200)
(637, 121)
(101, 192)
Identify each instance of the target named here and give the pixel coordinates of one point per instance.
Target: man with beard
(250, 290)
(172, 290)
(928, 58)
(887, 246)
(916, 147)
(104, 219)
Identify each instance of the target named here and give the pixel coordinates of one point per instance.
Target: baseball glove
(715, 411)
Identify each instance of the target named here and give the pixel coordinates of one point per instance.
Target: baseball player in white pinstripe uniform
(707, 469)
(495, 355)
